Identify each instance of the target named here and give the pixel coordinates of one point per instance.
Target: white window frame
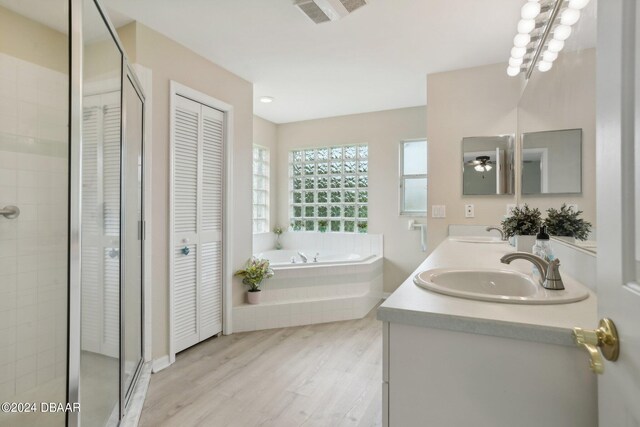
(266, 162)
(403, 177)
(362, 156)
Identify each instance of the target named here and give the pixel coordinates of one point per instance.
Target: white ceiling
(374, 59)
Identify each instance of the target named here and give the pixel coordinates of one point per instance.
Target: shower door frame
(76, 47)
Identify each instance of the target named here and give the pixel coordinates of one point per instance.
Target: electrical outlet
(510, 208)
(469, 211)
(438, 211)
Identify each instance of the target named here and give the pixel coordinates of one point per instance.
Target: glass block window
(413, 178)
(329, 189)
(260, 189)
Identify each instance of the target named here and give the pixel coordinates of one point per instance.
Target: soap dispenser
(542, 248)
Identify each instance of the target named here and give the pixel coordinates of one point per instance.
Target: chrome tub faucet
(303, 257)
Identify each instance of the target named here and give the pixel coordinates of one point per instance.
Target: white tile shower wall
(359, 243)
(33, 247)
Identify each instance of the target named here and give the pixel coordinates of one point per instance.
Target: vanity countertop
(552, 324)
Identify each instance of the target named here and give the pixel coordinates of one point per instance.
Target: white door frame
(177, 89)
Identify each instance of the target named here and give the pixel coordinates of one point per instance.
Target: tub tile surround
(33, 247)
(308, 294)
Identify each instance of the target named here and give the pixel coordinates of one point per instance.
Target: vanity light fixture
(542, 31)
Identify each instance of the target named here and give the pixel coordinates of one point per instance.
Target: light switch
(469, 211)
(438, 211)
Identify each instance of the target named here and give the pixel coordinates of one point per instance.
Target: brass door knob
(605, 339)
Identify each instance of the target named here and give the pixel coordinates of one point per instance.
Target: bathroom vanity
(452, 361)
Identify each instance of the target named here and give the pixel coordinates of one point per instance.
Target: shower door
(34, 163)
(133, 225)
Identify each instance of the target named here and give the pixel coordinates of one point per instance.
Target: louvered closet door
(197, 218)
(211, 223)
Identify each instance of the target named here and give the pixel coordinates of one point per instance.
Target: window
(413, 178)
(329, 189)
(260, 189)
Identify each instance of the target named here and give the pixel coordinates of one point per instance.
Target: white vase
(253, 297)
(525, 243)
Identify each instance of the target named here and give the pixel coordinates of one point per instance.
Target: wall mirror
(557, 120)
(551, 162)
(487, 165)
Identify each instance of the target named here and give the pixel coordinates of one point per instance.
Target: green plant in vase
(278, 231)
(253, 274)
(322, 225)
(523, 224)
(566, 222)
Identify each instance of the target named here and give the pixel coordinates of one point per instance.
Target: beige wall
(169, 60)
(265, 134)
(383, 131)
(33, 42)
(479, 101)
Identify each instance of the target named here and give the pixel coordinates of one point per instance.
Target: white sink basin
(495, 285)
(476, 239)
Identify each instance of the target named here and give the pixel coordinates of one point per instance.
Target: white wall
(265, 134)
(383, 131)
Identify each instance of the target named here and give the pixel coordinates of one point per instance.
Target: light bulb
(521, 40)
(479, 168)
(578, 4)
(562, 32)
(525, 26)
(544, 66)
(488, 168)
(515, 62)
(549, 56)
(530, 10)
(570, 16)
(555, 46)
(518, 52)
(513, 71)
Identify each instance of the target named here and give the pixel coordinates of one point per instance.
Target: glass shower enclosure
(71, 215)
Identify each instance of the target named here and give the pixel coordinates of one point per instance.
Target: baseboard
(160, 363)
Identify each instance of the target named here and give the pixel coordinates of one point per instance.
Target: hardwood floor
(322, 375)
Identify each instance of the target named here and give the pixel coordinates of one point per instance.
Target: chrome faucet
(503, 236)
(303, 257)
(549, 271)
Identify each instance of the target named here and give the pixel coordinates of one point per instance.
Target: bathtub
(345, 283)
(281, 258)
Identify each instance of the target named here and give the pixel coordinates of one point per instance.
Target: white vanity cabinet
(435, 377)
(453, 362)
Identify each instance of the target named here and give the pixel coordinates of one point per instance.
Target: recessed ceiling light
(266, 99)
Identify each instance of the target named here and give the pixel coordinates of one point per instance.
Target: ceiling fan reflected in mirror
(481, 163)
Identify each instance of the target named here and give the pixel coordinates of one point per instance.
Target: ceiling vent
(320, 11)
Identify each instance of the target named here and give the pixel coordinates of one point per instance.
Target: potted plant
(278, 231)
(567, 224)
(522, 226)
(322, 225)
(252, 275)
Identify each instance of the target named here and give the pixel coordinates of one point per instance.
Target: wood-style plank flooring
(321, 375)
